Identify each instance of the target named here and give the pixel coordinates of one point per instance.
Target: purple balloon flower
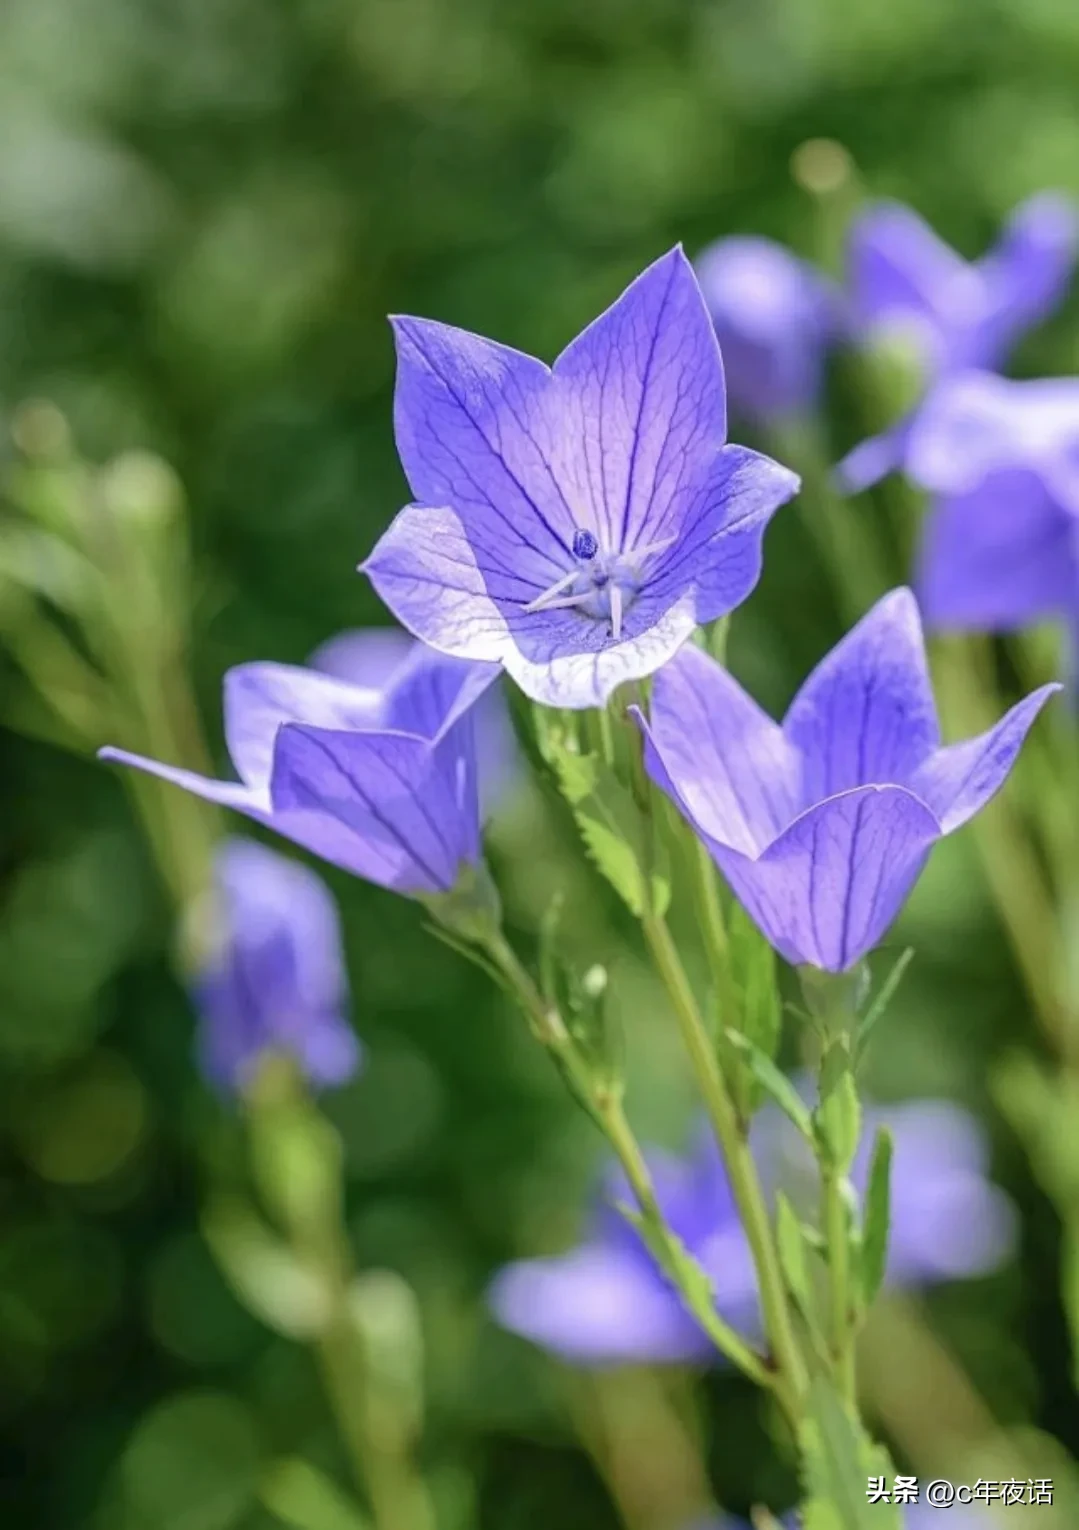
(376, 656)
(276, 979)
(775, 317)
(606, 1302)
(822, 825)
(1001, 545)
(379, 782)
(574, 523)
(958, 314)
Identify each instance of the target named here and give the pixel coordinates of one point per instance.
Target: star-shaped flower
(822, 826)
(380, 782)
(1000, 547)
(904, 281)
(574, 523)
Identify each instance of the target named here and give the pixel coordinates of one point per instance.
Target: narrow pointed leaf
(881, 1000)
(299, 1495)
(792, 1255)
(775, 1084)
(838, 1458)
(874, 1252)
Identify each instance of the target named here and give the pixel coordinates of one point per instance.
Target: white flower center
(602, 584)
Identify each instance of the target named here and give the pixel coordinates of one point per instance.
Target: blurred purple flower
(775, 317)
(276, 980)
(906, 282)
(574, 523)
(379, 782)
(1001, 544)
(606, 1302)
(948, 1220)
(375, 656)
(823, 825)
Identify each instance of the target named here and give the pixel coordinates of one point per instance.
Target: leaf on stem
(612, 826)
(880, 1003)
(874, 1250)
(790, 1241)
(287, 1294)
(753, 966)
(838, 1459)
(299, 1495)
(837, 1121)
(775, 1084)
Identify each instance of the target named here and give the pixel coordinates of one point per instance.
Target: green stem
(375, 1429)
(383, 1471)
(837, 1239)
(845, 537)
(745, 1184)
(604, 1105)
(714, 931)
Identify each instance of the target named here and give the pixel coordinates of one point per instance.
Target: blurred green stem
(300, 1157)
(637, 1426)
(1016, 879)
(603, 1103)
(846, 540)
(791, 1377)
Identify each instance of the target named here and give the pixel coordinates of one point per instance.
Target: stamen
(616, 611)
(565, 601)
(585, 545)
(639, 554)
(542, 601)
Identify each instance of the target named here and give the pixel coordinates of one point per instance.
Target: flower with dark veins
(822, 825)
(380, 780)
(574, 523)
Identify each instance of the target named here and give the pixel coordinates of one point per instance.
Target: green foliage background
(206, 212)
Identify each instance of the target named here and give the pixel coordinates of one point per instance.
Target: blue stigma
(585, 546)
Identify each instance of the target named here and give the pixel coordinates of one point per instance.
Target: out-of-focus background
(206, 212)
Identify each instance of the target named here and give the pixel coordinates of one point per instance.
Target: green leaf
(775, 1084)
(838, 1459)
(615, 832)
(792, 1254)
(835, 1064)
(874, 1250)
(298, 1495)
(880, 1003)
(753, 966)
(289, 1296)
(837, 1123)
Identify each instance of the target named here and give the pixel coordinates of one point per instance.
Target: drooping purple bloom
(275, 979)
(775, 317)
(957, 314)
(374, 657)
(379, 782)
(606, 1302)
(1000, 547)
(574, 523)
(822, 825)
